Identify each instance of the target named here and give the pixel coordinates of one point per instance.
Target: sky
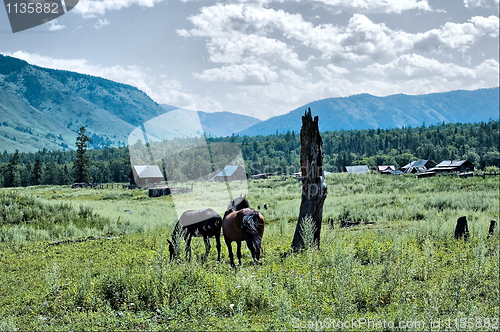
(265, 58)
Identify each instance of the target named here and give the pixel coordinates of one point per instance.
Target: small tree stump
(462, 230)
(492, 228)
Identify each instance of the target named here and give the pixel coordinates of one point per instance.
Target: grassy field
(406, 267)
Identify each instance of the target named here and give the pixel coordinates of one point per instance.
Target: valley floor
(405, 267)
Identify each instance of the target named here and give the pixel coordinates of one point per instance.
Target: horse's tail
(251, 226)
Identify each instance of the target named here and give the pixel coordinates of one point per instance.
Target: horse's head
(237, 204)
(173, 249)
(240, 203)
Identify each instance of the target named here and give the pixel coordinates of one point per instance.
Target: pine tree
(26, 175)
(37, 172)
(81, 166)
(12, 176)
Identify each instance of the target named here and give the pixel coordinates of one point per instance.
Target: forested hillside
(478, 142)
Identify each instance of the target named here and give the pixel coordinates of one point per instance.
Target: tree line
(279, 153)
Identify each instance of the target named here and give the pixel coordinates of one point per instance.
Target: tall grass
(407, 266)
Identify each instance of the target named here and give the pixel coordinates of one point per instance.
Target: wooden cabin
(232, 173)
(147, 175)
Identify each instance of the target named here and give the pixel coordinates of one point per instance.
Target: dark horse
(241, 223)
(198, 223)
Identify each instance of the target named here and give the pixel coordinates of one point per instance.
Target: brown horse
(241, 223)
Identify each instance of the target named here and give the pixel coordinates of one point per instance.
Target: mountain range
(365, 111)
(44, 108)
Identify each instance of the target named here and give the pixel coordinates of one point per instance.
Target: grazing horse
(198, 223)
(241, 223)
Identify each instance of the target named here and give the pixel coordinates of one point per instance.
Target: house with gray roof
(232, 173)
(360, 169)
(418, 166)
(147, 175)
(454, 166)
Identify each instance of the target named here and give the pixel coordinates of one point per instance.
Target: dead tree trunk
(313, 181)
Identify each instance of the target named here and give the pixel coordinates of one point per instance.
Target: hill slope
(44, 108)
(365, 111)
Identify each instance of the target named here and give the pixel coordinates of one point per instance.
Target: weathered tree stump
(462, 230)
(492, 228)
(313, 181)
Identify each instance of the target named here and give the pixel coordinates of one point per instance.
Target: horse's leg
(217, 240)
(254, 251)
(257, 255)
(230, 250)
(238, 251)
(188, 247)
(206, 239)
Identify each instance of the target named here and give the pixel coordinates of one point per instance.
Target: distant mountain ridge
(220, 124)
(44, 108)
(365, 111)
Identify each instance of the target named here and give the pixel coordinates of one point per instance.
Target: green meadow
(97, 259)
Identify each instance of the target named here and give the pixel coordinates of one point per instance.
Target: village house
(453, 166)
(147, 175)
(418, 166)
(360, 169)
(232, 173)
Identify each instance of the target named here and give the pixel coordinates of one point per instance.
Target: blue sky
(265, 58)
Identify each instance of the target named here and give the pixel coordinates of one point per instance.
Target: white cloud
(101, 23)
(236, 34)
(457, 36)
(378, 6)
(481, 3)
(418, 72)
(331, 71)
(53, 26)
(240, 33)
(92, 8)
(244, 73)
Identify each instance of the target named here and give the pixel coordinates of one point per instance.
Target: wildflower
(231, 306)
(274, 283)
(238, 286)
